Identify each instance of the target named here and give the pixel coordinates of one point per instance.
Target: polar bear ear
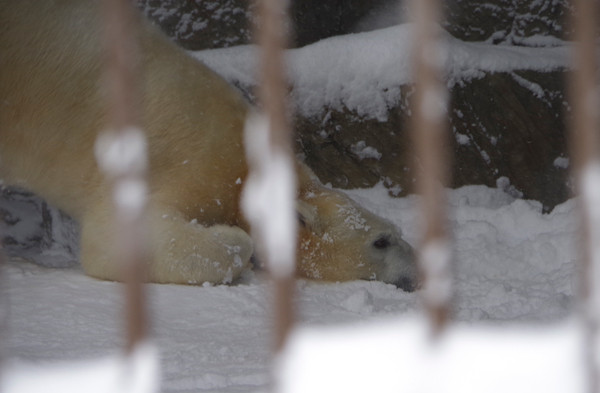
(308, 216)
(306, 177)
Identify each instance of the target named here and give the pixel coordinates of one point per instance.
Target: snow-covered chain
(122, 152)
(268, 200)
(122, 156)
(435, 258)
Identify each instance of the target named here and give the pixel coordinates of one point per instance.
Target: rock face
(314, 20)
(201, 24)
(508, 130)
(513, 126)
(508, 21)
(350, 151)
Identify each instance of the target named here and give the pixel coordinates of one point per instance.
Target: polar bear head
(341, 241)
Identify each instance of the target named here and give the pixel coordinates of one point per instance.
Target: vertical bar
(583, 84)
(429, 128)
(122, 155)
(585, 124)
(272, 39)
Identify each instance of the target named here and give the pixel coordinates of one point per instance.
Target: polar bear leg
(184, 252)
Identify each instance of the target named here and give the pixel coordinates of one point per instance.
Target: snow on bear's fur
(52, 107)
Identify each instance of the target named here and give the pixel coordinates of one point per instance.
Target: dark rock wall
(513, 125)
(204, 24)
(507, 21)
(507, 128)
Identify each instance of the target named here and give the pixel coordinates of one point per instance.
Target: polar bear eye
(381, 243)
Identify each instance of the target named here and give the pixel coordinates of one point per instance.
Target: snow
(462, 139)
(363, 151)
(119, 153)
(561, 162)
(512, 264)
(434, 106)
(137, 373)
(514, 273)
(435, 261)
(534, 88)
(400, 355)
(269, 197)
(123, 157)
(363, 72)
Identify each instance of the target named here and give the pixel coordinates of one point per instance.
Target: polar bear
(52, 107)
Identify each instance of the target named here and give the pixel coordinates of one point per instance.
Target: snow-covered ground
(513, 264)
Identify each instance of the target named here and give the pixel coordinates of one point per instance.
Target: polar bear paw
(196, 254)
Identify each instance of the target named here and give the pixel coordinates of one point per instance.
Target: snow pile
(363, 72)
(511, 262)
(400, 355)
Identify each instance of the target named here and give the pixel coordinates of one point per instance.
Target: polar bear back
(64, 73)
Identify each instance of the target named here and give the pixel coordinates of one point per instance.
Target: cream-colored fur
(52, 107)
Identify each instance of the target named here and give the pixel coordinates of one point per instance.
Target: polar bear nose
(406, 284)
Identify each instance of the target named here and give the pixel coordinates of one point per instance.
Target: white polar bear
(52, 107)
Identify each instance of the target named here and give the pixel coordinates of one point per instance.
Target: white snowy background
(515, 268)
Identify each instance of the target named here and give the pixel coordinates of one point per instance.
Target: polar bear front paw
(238, 247)
(194, 254)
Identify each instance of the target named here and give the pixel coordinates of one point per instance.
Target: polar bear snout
(398, 260)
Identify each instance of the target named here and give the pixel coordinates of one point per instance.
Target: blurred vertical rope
(272, 38)
(429, 129)
(122, 155)
(585, 139)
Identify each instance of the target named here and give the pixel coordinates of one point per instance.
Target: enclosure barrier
(272, 213)
(122, 154)
(585, 145)
(430, 138)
